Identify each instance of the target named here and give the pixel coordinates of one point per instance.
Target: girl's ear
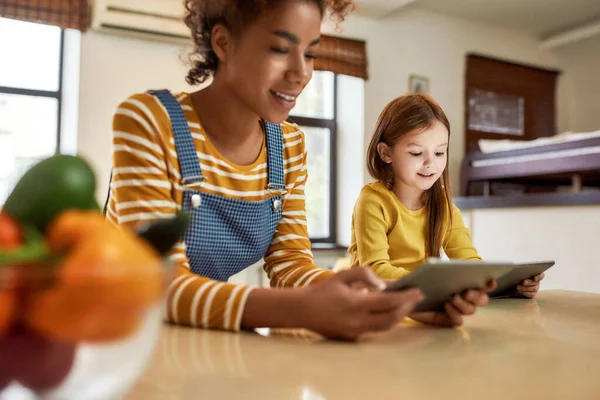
(384, 152)
(221, 41)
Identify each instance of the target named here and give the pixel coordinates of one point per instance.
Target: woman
(225, 154)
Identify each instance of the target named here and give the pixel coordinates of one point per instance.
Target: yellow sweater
(390, 238)
(147, 186)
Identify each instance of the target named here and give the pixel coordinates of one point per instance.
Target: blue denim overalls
(225, 235)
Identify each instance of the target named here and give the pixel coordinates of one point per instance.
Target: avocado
(56, 184)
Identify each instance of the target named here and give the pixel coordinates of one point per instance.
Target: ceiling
(380, 8)
(542, 18)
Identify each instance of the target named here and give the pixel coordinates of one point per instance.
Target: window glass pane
(317, 187)
(30, 55)
(24, 140)
(316, 101)
(496, 113)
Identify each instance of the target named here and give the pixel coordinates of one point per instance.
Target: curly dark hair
(203, 15)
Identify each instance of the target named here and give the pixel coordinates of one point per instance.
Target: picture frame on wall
(418, 84)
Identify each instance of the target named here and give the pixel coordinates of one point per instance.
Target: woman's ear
(221, 41)
(384, 152)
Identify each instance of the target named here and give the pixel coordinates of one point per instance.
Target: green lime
(53, 185)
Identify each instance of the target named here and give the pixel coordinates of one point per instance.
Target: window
(30, 97)
(315, 113)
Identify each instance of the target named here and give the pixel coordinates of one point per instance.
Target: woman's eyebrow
(292, 38)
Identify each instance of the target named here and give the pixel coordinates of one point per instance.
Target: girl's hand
(529, 287)
(460, 305)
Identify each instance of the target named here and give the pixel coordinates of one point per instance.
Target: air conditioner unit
(150, 19)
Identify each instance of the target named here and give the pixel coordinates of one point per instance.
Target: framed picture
(418, 84)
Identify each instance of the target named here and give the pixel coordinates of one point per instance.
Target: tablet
(440, 279)
(520, 272)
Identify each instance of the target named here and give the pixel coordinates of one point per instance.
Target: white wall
(581, 64)
(415, 41)
(70, 92)
(351, 152)
(113, 68)
(567, 235)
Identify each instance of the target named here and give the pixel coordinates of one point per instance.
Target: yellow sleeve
(458, 244)
(144, 188)
(289, 260)
(370, 225)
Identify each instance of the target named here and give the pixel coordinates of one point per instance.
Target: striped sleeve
(146, 187)
(289, 261)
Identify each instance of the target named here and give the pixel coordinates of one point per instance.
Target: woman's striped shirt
(146, 185)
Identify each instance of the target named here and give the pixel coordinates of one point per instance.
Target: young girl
(407, 214)
(225, 154)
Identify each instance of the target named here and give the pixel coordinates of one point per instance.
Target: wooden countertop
(547, 348)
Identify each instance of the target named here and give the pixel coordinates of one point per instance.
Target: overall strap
(184, 144)
(275, 156)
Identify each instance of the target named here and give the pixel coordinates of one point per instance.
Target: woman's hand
(336, 309)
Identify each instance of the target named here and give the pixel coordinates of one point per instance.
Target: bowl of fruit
(80, 299)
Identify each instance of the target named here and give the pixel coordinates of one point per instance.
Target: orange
(11, 236)
(71, 226)
(105, 285)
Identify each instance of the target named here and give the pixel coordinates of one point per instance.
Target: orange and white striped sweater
(147, 185)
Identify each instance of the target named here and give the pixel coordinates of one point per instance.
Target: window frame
(47, 93)
(330, 124)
